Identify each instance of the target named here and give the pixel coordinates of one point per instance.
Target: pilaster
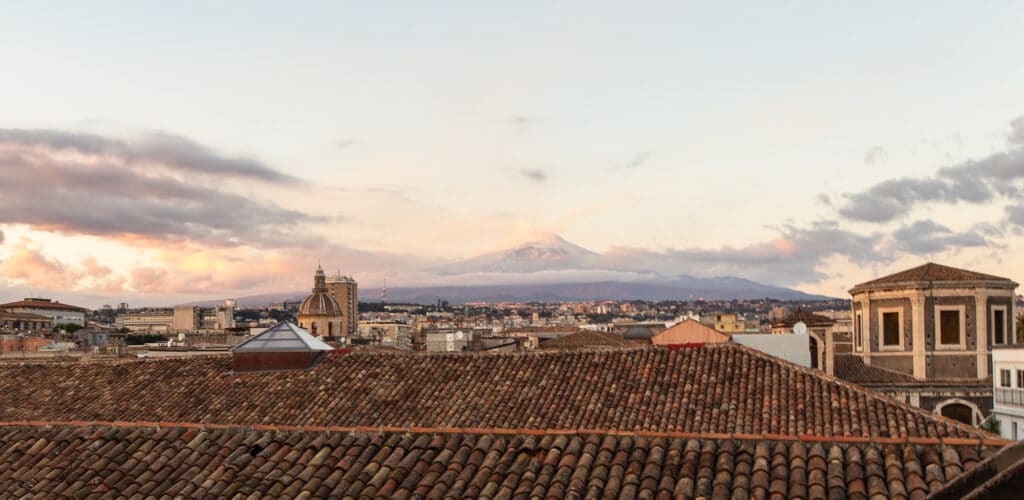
(917, 312)
(981, 332)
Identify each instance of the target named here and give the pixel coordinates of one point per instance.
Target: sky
(160, 152)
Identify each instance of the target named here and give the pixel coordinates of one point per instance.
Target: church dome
(319, 303)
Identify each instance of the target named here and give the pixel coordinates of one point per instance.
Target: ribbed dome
(320, 304)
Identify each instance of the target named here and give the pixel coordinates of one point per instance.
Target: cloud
(525, 121)
(536, 175)
(928, 237)
(27, 265)
(1, 237)
(165, 150)
(996, 176)
(345, 144)
(638, 160)
(875, 155)
(87, 184)
(794, 256)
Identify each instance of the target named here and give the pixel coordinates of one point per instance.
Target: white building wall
(1008, 401)
(794, 348)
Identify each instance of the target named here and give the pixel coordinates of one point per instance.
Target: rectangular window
(1004, 378)
(1015, 431)
(949, 327)
(858, 339)
(1020, 379)
(891, 329)
(998, 326)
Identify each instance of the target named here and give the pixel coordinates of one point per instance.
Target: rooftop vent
(283, 346)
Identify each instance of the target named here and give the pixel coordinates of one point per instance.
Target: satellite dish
(800, 328)
(458, 335)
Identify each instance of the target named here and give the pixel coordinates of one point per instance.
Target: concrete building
(319, 313)
(20, 343)
(731, 323)
(821, 338)
(157, 321)
(194, 319)
(386, 331)
(187, 318)
(926, 334)
(57, 312)
(11, 321)
(1008, 390)
(345, 291)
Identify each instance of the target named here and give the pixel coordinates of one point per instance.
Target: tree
(68, 327)
(1020, 328)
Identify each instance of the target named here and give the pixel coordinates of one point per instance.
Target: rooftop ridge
(863, 390)
(737, 436)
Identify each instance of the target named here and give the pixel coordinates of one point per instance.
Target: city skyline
(810, 147)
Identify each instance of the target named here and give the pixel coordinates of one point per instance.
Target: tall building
(345, 291)
(319, 313)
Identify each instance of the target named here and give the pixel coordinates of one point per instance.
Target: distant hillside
(553, 269)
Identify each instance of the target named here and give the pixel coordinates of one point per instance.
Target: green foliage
(1020, 328)
(68, 327)
(144, 339)
(991, 424)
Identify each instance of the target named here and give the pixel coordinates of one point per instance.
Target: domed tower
(319, 312)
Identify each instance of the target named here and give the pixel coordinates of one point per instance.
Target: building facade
(821, 338)
(58, 313)
(345, 291)
(938, 325)
(13, 322)
(1008, 390)
(157, 321)
(319, 312)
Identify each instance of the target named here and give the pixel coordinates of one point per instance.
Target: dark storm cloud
(996, 176)
(166, 150)
(106, 191)
(926, 237)
(534, 174)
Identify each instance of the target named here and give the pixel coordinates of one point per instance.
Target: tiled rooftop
(713, 389)
(190, 461)
(852, 368)
(587, 339)
(931, 272)
(806, 317)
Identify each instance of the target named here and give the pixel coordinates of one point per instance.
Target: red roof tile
(42, 304)
(852, 368)
(587, 339)
(930, 272)
(182, 462)
(723, 388)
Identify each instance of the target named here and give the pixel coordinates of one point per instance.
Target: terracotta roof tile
(930, 272)
(714, 389)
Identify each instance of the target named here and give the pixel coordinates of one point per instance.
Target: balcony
(1008, 396)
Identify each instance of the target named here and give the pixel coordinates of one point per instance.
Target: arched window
(330, 329)
(959, 412)
(312, 328)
